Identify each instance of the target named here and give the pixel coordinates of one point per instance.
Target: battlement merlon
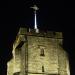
(52, 34)
(20, 37)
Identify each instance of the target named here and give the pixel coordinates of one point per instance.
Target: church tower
(38, 53)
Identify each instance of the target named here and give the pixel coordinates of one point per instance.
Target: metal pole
(35, 18)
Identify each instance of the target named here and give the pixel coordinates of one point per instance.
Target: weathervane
(35, 24)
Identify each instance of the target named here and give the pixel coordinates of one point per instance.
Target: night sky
(52, 15)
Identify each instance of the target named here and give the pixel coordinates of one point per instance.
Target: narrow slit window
(42, 68)
(42, 52)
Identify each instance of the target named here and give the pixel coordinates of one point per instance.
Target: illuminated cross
(35, 9)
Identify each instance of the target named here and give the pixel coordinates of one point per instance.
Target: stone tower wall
(50, 59)
(31, 62)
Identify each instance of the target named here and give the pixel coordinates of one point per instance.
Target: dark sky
(18, 12)
(52, 15)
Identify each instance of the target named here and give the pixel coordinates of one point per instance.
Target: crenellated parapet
(52, 34)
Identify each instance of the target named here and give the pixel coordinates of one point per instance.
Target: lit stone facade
(38, 54)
